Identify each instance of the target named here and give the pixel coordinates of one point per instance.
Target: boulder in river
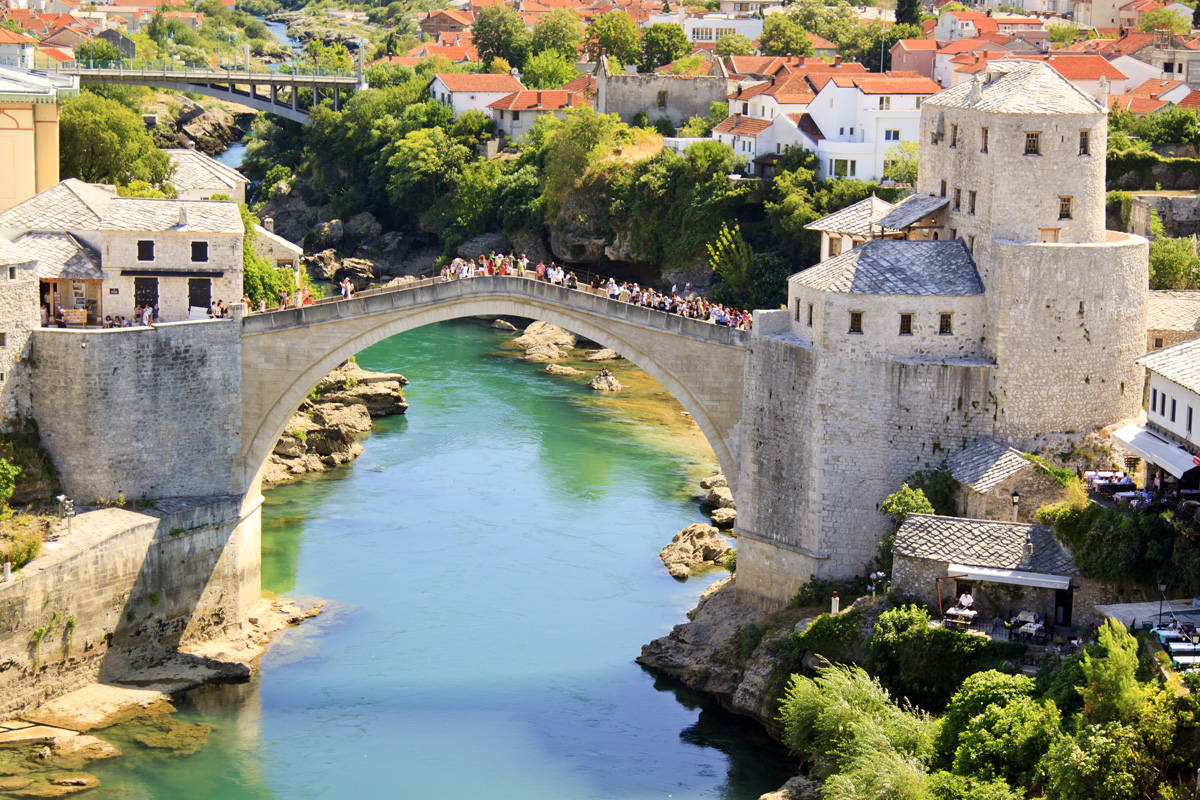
(539, 332)
(323, 265)
(604, 383)
(604, 354)
(543, 352)
(724, 518)
(503, 325)
(720, 497)
(696, 546)
(713, 481)
(562, 369)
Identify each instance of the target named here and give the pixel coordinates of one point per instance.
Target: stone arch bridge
(285, 353)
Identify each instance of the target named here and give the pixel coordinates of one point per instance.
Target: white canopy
(1156, 450)
(1039, 580)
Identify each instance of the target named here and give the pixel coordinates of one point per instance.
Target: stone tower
(1020, 154)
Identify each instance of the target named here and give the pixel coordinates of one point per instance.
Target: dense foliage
(103, 141)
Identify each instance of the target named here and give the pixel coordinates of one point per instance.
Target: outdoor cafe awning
(1039, 580)
(1172, 458)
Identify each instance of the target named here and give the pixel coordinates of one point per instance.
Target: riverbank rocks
(602, 355)
(322, 266)
(543, 352)
(504, 325)
(485, 243)
(697, 546)
(538, 333)
(324, 432)
(713, 481)
(720, 497)
(360, 272)
(605, 383)
(724, 518)
(797, 788)
(325, 235)
(562, 369)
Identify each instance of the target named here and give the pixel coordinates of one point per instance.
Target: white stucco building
(1169, 441)
(464, 92)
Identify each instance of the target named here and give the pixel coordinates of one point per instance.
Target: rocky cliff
(324, 431)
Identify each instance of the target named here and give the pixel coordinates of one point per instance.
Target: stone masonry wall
(144, 412)
(18, 318)
(685, 97)
(123, 590)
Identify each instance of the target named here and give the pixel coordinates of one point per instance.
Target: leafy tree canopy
(614, 34)
(499, 32)
(547, 70)
(782, 36)
(734, 44)
(562, 31)
(102, 141)
(662, 43)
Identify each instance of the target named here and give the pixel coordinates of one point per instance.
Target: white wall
(1167, 398)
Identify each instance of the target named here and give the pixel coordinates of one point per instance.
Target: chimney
(269, 224)
(837, 61)
(1102, 93)
(976, 89)
(183, 216)
(539, 100)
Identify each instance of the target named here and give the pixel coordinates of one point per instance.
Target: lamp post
(1162, 592)
(1016, 501)
(876, 577)
(66, 507)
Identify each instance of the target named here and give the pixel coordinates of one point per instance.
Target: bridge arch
(285, 354)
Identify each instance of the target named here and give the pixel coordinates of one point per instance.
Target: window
(516, 115)
(983, 137)
(1033, 143)
(885, 103)
(1064, 208)
(1162, 404)
(199, 292)
(1158, 342)
(891, 135)
(145, 250)
(957, 199)
(943, 187)
(3, 339)
(1189, 419)
(954, 136)
(1173, 403)
(906, 324)
(843, 168)
(945, 324)
(199, 251)
(971, 202)
(145, 291)
(953, 234)
(797, 311)
(835, 246)
(810, 314)
(856, 322)
(745, 108)
(12, 273)
(1084, 144)
(971, 244)
(1154, 399)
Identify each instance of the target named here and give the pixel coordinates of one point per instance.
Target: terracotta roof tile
(918, 44)
(889, 85)
(1138, 106)
(743, 126)
(479, 82)
(534, 100)
(1154, 88)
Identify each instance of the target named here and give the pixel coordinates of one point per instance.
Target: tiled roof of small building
(1020, 87)
(911, 209)
(195, 170)
(855, 220)
(743, 126)
(982, 543)
(1180, 364)
(70, 205)
(986, 463)
(896, 267)
(11, 255)
(1174, 311)
(201, 216)
(807, 125)
(479, 82)
(61, 256)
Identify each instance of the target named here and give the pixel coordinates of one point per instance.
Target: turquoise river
(490, 570)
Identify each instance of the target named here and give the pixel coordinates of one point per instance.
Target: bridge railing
(207, 72)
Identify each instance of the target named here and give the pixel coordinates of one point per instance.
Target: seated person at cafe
(965, 600)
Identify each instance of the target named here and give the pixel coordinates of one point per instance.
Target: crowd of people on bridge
(686, 304)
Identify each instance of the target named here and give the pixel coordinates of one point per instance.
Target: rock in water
(697, 545)
(322, 265)
(797, 788)
(543, 352)
(724, 518)
(503, 325)
(602, 355)
(544, 333)
(720, 497)
(713, 481)
(561, 369)
(606, 384)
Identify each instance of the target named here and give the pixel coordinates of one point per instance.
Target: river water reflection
(490, 563)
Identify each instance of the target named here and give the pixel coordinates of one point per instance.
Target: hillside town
(925, 278)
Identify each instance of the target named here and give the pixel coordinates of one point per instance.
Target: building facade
(29, 132)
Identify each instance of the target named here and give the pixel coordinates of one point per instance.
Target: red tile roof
(820, 42)
(480, 82)
(1135, 105)
(9, 37)
(1078, 67)
(888, 85)
(807, 125)
(534, 100)
(453, 53)
(967, 45)
(1153, 88)
(584, 83)
(743, 126)
(1191, 101)
(917, 44)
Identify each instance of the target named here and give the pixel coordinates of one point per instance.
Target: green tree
(908, 12)
(127, 95)
(1103, 761)
(102, 141)
(1112, 692)
(9, 472)
(96, 51)
(1064, 32)
(978, 693)
(562, 31)
(547, 70)
(1009, 741)
(614, 34)
(1196, 17)
(424, 166)
(734, 44)
(898, 505)
(732, 259)
(1163, 19)
(900, 162)
(662, 43)
(868, 43)
(834, 23)
(499, 32)
(783, 37)
(498, 66)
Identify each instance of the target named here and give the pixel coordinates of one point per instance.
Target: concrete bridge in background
(285, 353)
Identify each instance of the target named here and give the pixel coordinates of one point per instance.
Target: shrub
(1111, 692)
(730, 562)
(1009, 741)
(946, 786)
(817, 592)
(664, 126)
(23, 548)
(898, 505)
(749, 636)
(641, 120)
(9, 473)
(831, 637)
(978, 692)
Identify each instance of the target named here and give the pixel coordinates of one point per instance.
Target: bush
(749, 636)
(817, 592)
(23, 548)
(1007, 742)
(831, 637)
(641, 120)
(978, 692)
(664, 126)
(946, 786)
(9, 473)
